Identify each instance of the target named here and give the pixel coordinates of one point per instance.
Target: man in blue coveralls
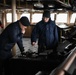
(46, 32)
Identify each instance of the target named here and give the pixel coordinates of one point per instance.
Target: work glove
(23, 53)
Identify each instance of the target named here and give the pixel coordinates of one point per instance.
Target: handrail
(66, 64)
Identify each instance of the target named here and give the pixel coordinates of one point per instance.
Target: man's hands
(33, 43)
(23, 53)
(28, 52)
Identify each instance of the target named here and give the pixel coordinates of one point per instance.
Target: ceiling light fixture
(38, 4)
(50, 5)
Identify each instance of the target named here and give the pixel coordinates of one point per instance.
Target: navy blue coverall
(9, 37)
(47, 35)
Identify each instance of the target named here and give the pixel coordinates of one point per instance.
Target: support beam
(13, 20)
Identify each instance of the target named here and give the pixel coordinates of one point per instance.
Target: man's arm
(20, 44)
(34, 35)
(56, 35)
